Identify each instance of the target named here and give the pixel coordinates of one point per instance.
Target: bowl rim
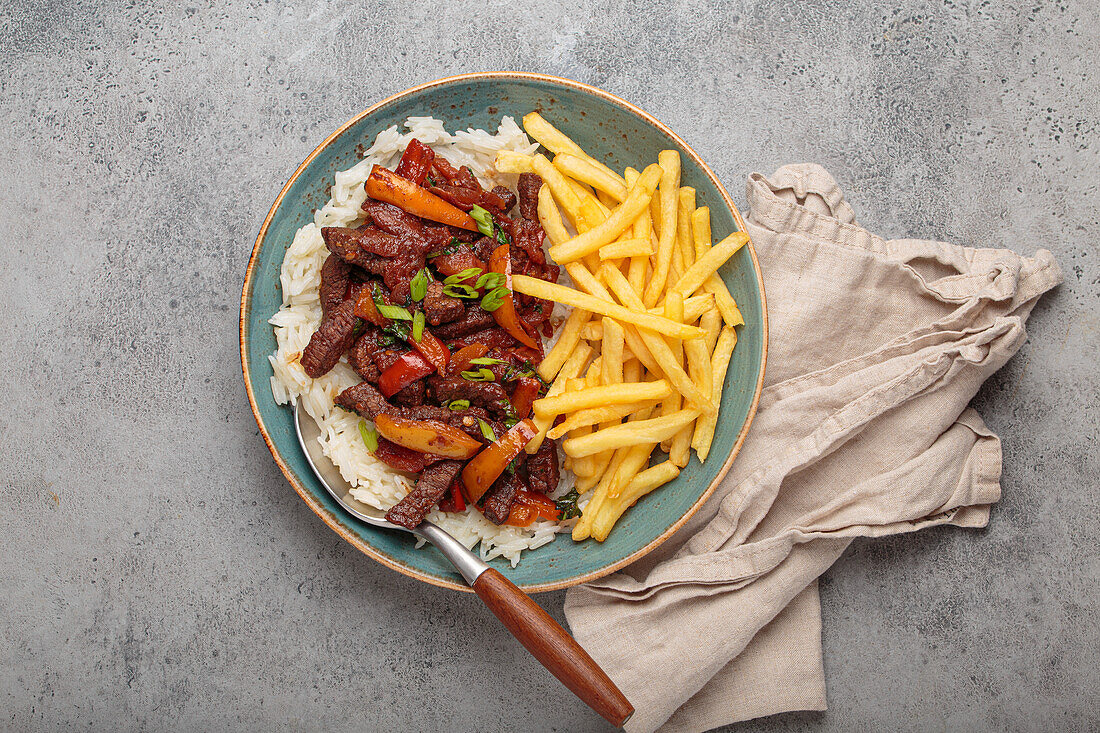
(332, 520)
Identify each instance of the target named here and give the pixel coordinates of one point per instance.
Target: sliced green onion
(489, 281)
(470, 273)
(484, 220)
(418, 286)
(486, 361)
(370, 436)
(461, 291)
(394, 312)
(479, 375)
(458, 405)
(494, 299)
(418, 326)
(486, 430)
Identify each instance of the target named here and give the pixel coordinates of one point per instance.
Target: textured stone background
(158, 572)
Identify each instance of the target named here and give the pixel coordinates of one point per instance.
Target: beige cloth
(863, 429)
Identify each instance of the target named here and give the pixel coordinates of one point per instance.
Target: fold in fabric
(863, 430)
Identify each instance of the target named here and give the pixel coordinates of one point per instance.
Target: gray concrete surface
(159, 574)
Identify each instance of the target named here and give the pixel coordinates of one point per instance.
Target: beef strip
(335, 278)
(440, 308)
(332, 338)
(365, 399)
(488, 395)
(433, 483)
(542, 468)
(473, 319)
(500, 497)
(528, 187)
(361, 356)
(411, 395)
(468, 198)
(491, 337)
(392, 219)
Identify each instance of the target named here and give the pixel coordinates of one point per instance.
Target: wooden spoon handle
(553, 646)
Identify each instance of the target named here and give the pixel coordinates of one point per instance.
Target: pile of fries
(641, 360)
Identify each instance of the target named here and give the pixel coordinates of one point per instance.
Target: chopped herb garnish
(486, 361)
(484, 220)
(418, 286)
(470, 273)
(418, 326)
(494, 299)
(461, 291)
(397, 330)
(486, 430)
(394, 312)
(450, 248)
(489, 281)
(502, 238)
(478, 375)
(510, 422)
(458, 405)
(567, 505)
(370, 436)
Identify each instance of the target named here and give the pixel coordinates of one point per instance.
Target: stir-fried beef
(335, 277)
(473, 319)
(361, 356)
(488, 395)
(467, 198)
(332, 338)
(484, 247)
(433, 483)
(439, 307)
(542, 468)
(411, 395)
(491, 337)
(365, 399)
(529, 185)
(459, 259)
(500, 497)
(393, 220)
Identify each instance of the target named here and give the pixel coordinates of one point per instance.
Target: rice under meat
(373, 482)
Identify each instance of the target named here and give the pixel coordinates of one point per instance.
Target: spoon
(543, 636)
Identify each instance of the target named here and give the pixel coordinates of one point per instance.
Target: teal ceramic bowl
(616, 133)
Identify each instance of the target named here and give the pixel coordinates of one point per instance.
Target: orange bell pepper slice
(480, 473)
(505, 315)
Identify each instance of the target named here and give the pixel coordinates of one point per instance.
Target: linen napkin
(863, 429)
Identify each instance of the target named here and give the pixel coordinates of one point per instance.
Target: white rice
(373, 482)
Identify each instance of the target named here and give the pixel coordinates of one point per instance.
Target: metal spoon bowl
(528, 622)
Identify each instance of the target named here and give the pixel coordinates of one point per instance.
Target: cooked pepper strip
(480, 473)
(524, 396)
(505, 315)
(464, 357)
(406, 370)
(427, 436)
(366, 309)
(432, 349)
(385, 185)
(416, 161)
(529, 507)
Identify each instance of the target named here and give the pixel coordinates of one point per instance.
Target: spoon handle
(552, 646)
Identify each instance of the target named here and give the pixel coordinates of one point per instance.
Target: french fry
(571, 368)
(584, 170)
(594, 415)
(642, 229)
(632, 368)
(509, 161)
(563, 193)
(612, 352)
(711, 323)
(567, 341)
(592, 208)
(636, 459)
(709, 263)
(684, 238)
(669, 161)
(604, 394)
(621, 217)
(557, 142)
(719, 362)
(634, 247)
(674, 311)
(700, 230)
(699, 366)
(550, 217)
(637, 316)
(632, 336)
(694, 307)
(593, 330)
(658, 349)
(611, 510)
(625, 462)
(653, 430)
(723, 300)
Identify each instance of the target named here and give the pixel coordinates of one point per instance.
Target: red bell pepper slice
(385, 185)
(453, 263)
(454, 501)
(529, 507)
(460, 360)
(480, 473)
(524, 396)
(416, 161)
(406, 370)
(432, 349)
(505, 315)
(366, 309)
